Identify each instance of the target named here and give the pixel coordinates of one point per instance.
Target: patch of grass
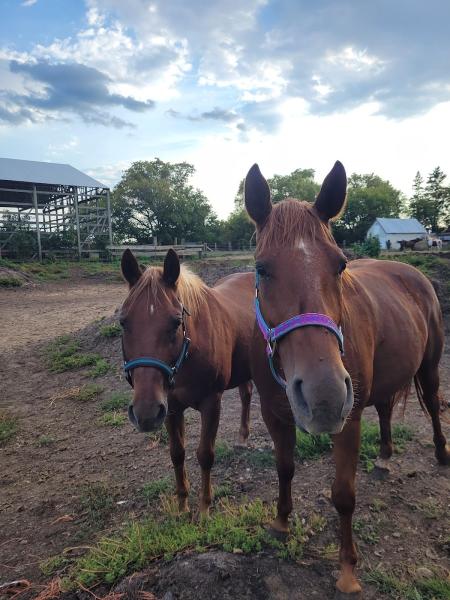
(112, 419)
(45, 440)
(231, 528)
(259, 457)
(9, 426)
(116, 401)
(311, 446)
(153, 489)
(160, 437)
(431, 509)
(63, 355)
(96, 503)
(112, 330)
(9, 281)
(88, 392)
(222, 490)
(53, 564)
(367, 530)
(432, 588)
(223, 452)
(101, 367)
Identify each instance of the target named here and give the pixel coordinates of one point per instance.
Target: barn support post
(108, 210)
(36, 214)
(77, 219)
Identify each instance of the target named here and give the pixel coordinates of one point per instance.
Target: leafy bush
(370, 247)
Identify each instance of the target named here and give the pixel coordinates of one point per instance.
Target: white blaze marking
(304, 247)
(152, 309)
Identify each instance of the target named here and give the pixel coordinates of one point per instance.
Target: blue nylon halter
(155, 363)
(273, 334)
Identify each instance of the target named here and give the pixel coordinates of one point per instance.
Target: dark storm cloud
(73, 88)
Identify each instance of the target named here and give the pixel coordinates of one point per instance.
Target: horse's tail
(442, 404)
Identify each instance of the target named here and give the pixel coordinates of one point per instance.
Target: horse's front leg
(282, 433)
(346, 453)
(384, 411)
(245, 392)
(175, 429)
(210, 415)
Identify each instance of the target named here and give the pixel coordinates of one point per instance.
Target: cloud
(28, 2)
(216, 114)
(67, 88)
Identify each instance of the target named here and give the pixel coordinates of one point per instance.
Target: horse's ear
(331, 198)
(130, 267)
(257, 196)
(171, 270)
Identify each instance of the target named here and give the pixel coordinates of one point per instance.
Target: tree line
(155, 198)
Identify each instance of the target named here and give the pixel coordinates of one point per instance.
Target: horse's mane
(289, 222)
(190, 289)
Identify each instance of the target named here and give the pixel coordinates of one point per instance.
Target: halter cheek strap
(273, 334)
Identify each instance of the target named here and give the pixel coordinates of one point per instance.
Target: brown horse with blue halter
(331, 339)
(184, 343)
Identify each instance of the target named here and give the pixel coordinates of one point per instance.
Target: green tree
(430, 204)
(154, 198)
(368, 197)
(299, 184)
(238, 229)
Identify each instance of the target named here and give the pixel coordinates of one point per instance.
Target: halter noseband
(273, 334)
(166, 369)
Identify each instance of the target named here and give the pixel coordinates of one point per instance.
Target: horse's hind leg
(175, 429)
(384, 411)
(427, 385)
(245, 392)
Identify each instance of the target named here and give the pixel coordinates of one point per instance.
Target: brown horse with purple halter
(344, 336)
(184, 343)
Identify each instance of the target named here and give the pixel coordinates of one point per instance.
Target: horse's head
(151, 319)
(300, 271)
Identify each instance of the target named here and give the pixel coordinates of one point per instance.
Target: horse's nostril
(161, 413)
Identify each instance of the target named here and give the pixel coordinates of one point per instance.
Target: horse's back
(404, 318)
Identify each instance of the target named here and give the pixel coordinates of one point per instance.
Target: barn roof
(400, 225)
(31, 171)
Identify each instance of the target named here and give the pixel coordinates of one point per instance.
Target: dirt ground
(41, 484)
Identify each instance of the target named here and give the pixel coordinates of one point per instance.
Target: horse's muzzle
(323, 407)
(151, 421)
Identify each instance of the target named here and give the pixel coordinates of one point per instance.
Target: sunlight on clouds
(355, 60)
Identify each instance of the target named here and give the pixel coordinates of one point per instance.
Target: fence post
(38, 232)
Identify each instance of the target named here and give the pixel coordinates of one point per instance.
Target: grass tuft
(112, 419)
(153, 489)
(96, 503)
(311, 446)
(112, 330)
(52, 565)
(101, 367)
(63, 355)
(223, 452)
(117, 401)
(8, 427)
(432, 588)
(45, 440)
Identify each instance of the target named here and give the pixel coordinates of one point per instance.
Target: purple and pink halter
(273, 334)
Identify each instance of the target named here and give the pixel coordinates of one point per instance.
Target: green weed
(53, 565)
(88, 392)
(153, 489)
(9, 281)
(45, 440)
(101, 367)
(63, 355)
(96, 503)
(259, 457)
(222, 490)
(160, 437)
(433, 588)
(367, 530)
(8, 427)
(112, 419)
(311, 446)
(112, 330)
(117, 401)
(223, 452)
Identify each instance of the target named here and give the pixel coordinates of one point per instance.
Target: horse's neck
(208, 324)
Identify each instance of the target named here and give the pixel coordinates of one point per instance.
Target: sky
(223, 84)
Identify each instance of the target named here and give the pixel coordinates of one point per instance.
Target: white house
(395, 230)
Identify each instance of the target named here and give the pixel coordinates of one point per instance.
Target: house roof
(31, 171)
(400, 225)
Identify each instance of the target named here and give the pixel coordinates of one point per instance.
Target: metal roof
(31, 171)
(401, 225)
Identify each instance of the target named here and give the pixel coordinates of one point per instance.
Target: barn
(44, 203)
(395, 230)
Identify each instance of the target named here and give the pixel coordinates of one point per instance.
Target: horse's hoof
(281, 536)
(443, 456)
(338, 595)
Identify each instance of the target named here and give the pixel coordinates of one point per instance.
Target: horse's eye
(262, 271)
(176, 322)
(342, 267)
